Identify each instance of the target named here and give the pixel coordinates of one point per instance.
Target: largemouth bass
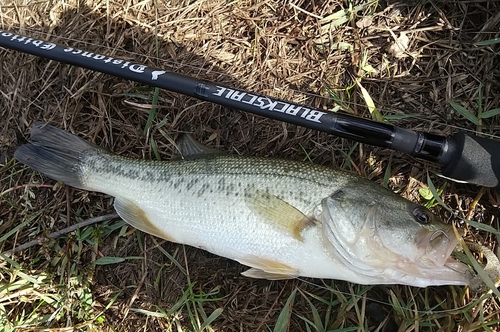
(281, 218)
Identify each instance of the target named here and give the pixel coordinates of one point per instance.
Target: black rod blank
(453, 153)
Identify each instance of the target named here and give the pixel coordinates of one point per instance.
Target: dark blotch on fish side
(204, 188)
(191, 183)
(117, 170)
(221, 184)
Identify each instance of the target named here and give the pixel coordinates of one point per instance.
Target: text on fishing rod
(266, 103)
(43, 45)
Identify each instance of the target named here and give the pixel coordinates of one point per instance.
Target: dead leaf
(399, 46)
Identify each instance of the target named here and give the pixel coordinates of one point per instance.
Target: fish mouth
(434, 266)
(434, 247)
(452, 272)
(436, 262)
(440, 247)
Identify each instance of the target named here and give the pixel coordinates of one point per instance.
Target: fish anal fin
(263, 268)
(278, 213)
(132, 214)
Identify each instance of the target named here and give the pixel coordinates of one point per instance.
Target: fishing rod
(464, 157)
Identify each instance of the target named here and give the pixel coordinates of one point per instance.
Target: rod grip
(473, 159)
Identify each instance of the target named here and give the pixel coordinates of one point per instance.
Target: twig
(272, 306)
(26, 186)
(60, 232)
(305, 11)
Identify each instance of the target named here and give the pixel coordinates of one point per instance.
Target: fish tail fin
(57, 154)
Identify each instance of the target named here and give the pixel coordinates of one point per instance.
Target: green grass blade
(488, 42)
(170, 257)
(4, 320)
(284, 317)
(10, 261)
(307, 157)
(342, 16)
(481, 226)
(318, 324)
(338, 100)
(152, 111)
(370, 104)
(435, 193)
(480, 102)
(182, 301)
(465, 113)
(363, 6)
(27, 278)
(387, 173)
(341, 46)
(490, 113)
(154, 147)
(347, 164)
(213, 316)
(16, 229)
(335, 17)
(106, 260)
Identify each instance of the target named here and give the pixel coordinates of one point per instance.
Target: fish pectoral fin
(191, 148)
(132, 214)
(279, 213)
(263, 268)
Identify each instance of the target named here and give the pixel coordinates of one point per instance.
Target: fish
(281, 218)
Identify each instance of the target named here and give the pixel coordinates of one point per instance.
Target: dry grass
(291, 50)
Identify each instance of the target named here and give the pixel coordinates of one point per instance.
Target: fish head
(389, 239)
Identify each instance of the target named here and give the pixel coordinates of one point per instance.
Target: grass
(481, 114)
(334, 55)
(45, 298)
(190, 302)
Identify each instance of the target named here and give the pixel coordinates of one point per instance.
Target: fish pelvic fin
(263, 268)
(56, 153)
(132, 214)
(279, 213)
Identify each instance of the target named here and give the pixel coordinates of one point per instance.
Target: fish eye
(422, 215)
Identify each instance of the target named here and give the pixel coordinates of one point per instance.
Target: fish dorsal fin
(262, 268)
(278, 213)
(191, 148)
(132, 214)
